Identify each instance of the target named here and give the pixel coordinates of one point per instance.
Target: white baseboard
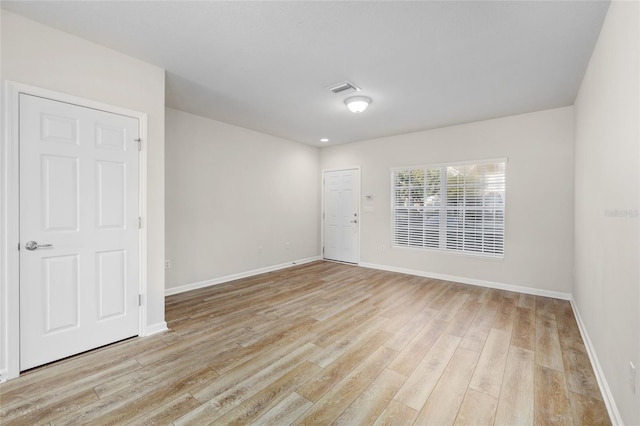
(471, 281)
(609, 401)
(155, 328)
(214, 281)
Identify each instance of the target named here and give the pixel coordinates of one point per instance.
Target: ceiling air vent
(345, 86)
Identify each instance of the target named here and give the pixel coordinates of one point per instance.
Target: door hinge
(323, 250)
(139, 300)
(139, 222)
(18, 246)
(139, 144)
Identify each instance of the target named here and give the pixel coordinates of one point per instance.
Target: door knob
(353, 221)
(32, 245)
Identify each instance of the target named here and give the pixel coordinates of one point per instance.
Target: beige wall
(236, 200)
(41, 56)
(607, 158)
(539, 198)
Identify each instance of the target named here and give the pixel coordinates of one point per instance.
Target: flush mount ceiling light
(357, 103)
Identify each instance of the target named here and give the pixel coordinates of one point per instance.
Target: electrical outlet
(167, 264)
(632, 377)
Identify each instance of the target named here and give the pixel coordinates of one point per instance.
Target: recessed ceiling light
(324, 140)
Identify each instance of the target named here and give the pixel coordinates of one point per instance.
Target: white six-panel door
(79, 203)
(341, 208)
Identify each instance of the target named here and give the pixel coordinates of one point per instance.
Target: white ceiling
(266, 65)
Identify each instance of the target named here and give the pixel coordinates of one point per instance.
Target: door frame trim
(10, 216)
(322, 188)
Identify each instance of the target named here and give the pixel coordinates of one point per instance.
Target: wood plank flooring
(326, 343)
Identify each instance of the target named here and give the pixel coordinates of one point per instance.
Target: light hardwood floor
(326, 343)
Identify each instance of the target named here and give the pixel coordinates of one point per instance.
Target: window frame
(444, 208)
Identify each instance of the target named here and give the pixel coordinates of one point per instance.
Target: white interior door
(78, 229)
(341, 215)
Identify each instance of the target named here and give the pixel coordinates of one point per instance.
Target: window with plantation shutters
(450, 207)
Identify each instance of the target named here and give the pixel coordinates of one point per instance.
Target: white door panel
(59, 193)
(341, 221)
(78, 193)
(60, 282)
